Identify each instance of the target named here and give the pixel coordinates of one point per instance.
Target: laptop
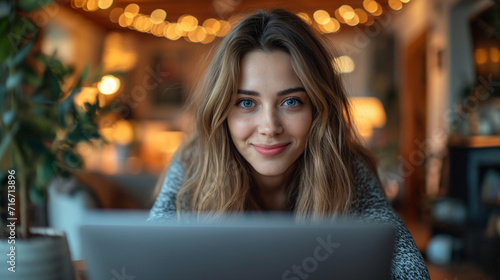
(245, 247)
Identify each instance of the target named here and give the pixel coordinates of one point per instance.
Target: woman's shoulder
(368, 193)
(165, 204)
(365, 175)
(370, 204)
(176, 166)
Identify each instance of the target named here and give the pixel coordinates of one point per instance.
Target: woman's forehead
(267, 70)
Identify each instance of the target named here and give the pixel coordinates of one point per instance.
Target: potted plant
(40, 127)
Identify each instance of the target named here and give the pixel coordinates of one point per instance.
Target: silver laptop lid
(238, 248)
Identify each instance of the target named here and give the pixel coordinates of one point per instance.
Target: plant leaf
(5, 49)
(52, 83)
(22, 29)
(14, 80)
(7, 139)
(58, 69)
(3, 91)
(4, 10)
(30, 77)
(44, 172)
(4, 23)
(21, 55)
(66, 106)
(37, 195)
(83, 133)
(8, 117)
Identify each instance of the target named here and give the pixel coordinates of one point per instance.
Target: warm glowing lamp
(86, 95)
(109, 84)
(368, 113)
(344, 64)
(495, 55)
(123, 132)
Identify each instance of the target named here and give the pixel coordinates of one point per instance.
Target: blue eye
(292, 102)
(245, 103)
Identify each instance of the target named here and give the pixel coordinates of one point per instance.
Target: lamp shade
(368, 113)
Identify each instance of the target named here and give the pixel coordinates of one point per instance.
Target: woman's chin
(270, 172)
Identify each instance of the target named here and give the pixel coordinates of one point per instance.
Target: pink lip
(270, 150)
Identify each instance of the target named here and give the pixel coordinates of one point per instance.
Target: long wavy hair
(218, 179)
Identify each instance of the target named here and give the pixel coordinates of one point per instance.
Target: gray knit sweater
(369, 204)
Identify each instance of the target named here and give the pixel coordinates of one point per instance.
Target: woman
(274, 133)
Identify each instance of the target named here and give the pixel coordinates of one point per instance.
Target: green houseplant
(40, 125)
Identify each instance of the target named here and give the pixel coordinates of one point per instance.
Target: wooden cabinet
(469, 158)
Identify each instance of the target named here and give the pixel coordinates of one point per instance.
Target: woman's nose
(269, 122)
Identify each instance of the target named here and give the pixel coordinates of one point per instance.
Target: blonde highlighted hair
(218, 179)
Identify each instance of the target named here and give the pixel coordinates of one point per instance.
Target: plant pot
(45, 256)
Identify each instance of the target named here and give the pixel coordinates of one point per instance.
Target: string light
(379, 10)
(131, 10)
(353, 21)
(158, 29)
(115, 14)
(208, 39)
(197, 35)
(362, 15)
(188, 22)
(125, 21)
(332, 26)
(158, 16)
(225, 27)
(211, 25)
(305, 17)
(321, 17)
(173, 31)
(346, 12)
(92, 5)
(339, 17)
(370, 6)
(192, 30)
(395, 4)
(77, 3)
(105, 4)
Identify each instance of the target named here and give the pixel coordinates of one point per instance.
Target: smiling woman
(274, 133)
(270, 120)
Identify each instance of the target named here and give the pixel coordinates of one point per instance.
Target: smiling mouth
(270, 150)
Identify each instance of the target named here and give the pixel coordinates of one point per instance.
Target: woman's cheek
(299, 125)
(240, 127)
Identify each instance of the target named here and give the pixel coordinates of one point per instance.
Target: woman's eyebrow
(280, 93)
